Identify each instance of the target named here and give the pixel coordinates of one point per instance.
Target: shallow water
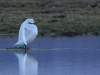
(82, 42)
(72, 56)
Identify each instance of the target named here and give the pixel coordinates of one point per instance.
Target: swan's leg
(25, 48)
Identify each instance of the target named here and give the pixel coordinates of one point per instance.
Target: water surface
(91, 42)
(72, 56)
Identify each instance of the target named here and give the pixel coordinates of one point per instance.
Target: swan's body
(27, 33)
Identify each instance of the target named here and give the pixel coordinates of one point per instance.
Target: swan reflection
(28, 65)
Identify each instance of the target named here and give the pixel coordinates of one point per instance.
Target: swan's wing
(23, 37)
(29, 29)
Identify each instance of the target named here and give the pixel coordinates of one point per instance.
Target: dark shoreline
(68, 18)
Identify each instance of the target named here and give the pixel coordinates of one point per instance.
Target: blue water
(72, 56)
(91, 42)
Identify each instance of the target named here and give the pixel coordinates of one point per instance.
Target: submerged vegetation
(53, 17)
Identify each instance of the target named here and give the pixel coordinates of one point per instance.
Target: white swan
(27, 33)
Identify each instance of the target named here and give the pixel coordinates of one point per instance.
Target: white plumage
(28, 32)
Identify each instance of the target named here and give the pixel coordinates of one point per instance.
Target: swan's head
(30, 21)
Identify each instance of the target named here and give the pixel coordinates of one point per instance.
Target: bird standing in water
(27, 32)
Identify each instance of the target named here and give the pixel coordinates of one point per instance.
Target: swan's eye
(30, 23)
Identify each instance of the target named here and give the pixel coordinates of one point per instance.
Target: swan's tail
(15, 44)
